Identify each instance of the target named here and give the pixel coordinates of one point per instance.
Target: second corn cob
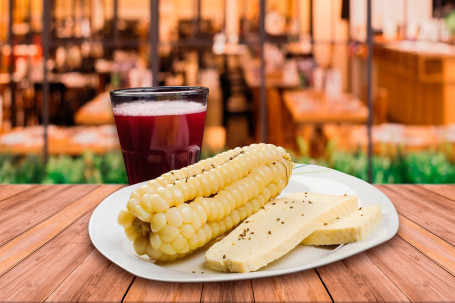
(182, 210)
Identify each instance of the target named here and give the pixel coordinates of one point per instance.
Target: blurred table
(390, 138)
(309, 107)
(311, 110)
(46, 255)
(62, 140)
(97, 111)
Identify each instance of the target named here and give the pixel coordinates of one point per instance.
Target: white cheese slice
(275, 230)
(351, 228)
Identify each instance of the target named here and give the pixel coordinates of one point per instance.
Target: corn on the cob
(173, 215)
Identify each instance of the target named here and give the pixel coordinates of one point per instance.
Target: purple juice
(159, 136)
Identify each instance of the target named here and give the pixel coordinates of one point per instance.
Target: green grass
(428, 167)
(88, 168)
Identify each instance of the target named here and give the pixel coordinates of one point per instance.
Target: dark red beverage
(157, 137)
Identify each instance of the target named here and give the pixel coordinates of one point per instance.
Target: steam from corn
(180, 211)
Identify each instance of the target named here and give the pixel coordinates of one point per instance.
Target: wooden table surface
(309, 107)
(46, 255)
(97, 111)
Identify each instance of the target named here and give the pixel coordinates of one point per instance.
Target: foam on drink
(158, 108)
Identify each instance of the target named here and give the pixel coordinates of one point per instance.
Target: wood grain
(21, 200)
(445, 190)
(430, 198)
(22, 246)
(23, 211)
(357, 279)
(417, 276)
(231, 291)
(96, 279)
(51, 258)
(36, 277)
(410, 205)
(433, 247)
(303, 286)
(7, 191)
(152, 291)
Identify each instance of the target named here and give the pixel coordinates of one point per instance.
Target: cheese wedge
(351, 228)
(275, 230)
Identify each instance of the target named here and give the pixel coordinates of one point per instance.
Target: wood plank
(143, 290)
(358, 279)
(24, 212)
(36, 277)
(446, 190)
(96, 279)
(303, 286)
(7, 191)
(231, 291)
(417, 276)
(22, 200)
(408, 204)
(433, 247)
(430, 198)
(25, 244)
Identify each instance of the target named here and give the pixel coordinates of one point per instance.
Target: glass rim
(159, 91)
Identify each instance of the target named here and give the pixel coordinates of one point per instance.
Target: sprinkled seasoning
(360, 208)
(249, 238)
(224, 256)
(172, 172)
(282, 222)
(273, 203)
(345, 195)
(278, 219)
(193, 272)
(269, 232)
(325, 223)
(291, 207)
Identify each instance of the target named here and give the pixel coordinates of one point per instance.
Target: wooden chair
(233, 85)
(380, 100)
(280, 128)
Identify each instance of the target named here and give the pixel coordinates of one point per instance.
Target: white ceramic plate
(109, 238)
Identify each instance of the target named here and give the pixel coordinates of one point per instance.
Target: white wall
(327, 27)
(387, 12)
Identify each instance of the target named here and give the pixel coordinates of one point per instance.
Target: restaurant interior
(366, 87)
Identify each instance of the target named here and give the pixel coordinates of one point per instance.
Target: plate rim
(353, 182)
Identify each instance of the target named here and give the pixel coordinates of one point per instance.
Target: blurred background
(296, 73)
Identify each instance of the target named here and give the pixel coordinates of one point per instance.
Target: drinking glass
(159, 128)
